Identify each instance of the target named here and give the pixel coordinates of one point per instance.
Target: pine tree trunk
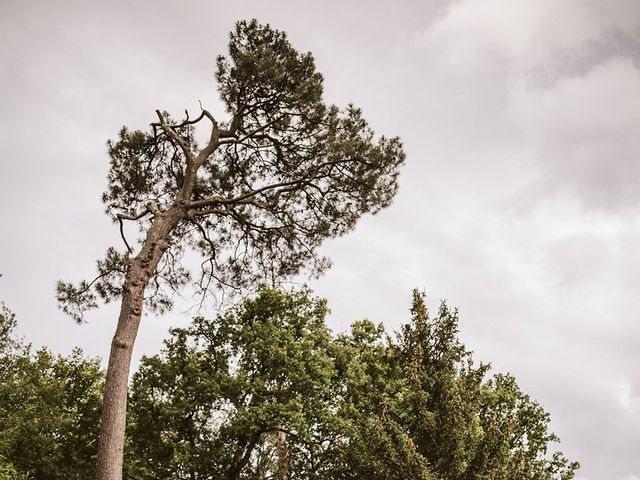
(283, 457)
(114, 404)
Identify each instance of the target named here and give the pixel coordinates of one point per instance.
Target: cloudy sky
(518, 203)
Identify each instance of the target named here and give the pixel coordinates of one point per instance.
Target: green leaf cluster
(265, 391)
(211, 405)
(49, 410)
(358, 405)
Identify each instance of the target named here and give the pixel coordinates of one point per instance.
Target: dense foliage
(265, 391)
(361, 405)
(49, 410)
(212, 404)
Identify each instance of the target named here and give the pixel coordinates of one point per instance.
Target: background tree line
(265, 391)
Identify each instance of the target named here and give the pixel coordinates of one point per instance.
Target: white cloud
(521, 33)
(585, 132)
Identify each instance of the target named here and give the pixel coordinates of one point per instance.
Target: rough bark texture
(141, 268)
(114, 406)
(283, 457)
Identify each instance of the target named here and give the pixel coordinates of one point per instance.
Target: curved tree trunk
(114, 404)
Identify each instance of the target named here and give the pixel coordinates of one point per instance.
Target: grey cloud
(584, 132)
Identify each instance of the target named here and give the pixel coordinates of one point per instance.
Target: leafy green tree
(285, 172)
(8, 323)
(360, 405)
(376, 444)
(217, 400)
(8, 471)
(50, 406)
(467, 427)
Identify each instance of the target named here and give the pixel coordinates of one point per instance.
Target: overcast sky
(518, 203)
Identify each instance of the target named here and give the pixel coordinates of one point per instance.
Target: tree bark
(114, 403)
(141, 270)
(283, 456)
(114, 406)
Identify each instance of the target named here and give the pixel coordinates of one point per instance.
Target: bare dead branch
(175, 137)
(124, 239)
(182, 124)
